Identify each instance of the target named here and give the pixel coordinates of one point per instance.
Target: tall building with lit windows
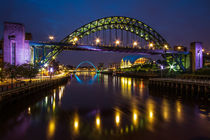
(133, 60)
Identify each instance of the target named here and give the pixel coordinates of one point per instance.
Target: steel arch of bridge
(88, 63)
(115, 22)
(119, 22)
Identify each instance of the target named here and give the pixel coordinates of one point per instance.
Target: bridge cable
(127, 38)
(116, 34)
(131, 37)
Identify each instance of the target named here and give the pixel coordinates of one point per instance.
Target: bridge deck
(70, 46)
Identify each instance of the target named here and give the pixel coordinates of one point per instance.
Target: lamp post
(51, 71)
(117, 42)
(51, 38)
(161, 71)
(151, 45)
(42, 72)
(135, 44)
(166, 47)
(75, 40)
(97, 41)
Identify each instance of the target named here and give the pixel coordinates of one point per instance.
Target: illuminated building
(132, 60)
(16, 44)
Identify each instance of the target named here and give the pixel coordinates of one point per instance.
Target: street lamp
(51, 38)
(135, 44)
(51, 71)
(151, 45)
(98, 40)
(166, 46)
(45, 65)
(42, 72)
(117, 42)
(161, 69)
(75, 39)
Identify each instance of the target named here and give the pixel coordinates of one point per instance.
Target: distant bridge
(83, 62)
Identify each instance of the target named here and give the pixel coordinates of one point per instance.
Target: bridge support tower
(196, 56)
(16, 48)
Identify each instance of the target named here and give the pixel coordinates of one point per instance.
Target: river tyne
(97, 106)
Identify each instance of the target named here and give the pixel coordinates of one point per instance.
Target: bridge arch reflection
(91, 81)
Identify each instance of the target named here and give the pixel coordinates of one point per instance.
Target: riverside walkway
(24, 88)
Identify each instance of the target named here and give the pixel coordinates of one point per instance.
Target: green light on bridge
(172, 67)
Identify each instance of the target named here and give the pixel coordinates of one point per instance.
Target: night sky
(180, 22)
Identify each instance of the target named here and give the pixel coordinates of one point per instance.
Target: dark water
(93, 106)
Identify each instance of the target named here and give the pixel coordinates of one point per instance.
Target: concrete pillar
(196, 56)
(16, 48)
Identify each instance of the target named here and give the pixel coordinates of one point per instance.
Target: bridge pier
(16, 45)
(196, 56)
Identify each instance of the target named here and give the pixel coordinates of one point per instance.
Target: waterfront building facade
(134, 60)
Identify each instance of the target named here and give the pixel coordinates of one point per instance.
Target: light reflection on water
(117, 117)
(51, 128)
(106, 106)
